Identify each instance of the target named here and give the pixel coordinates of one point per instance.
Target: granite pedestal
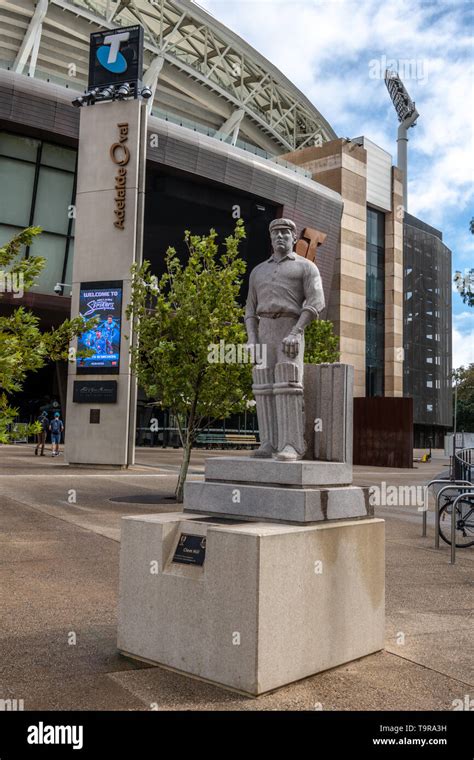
(271, 603)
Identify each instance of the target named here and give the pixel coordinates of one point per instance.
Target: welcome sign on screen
(104, 302)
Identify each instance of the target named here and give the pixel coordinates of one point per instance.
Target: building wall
(427, 326)
(43, 110)
(342, 166)
(362, 173)
(394, 354)
(308, 203)
(379, 174)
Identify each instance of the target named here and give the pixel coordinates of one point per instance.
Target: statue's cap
(286, 224)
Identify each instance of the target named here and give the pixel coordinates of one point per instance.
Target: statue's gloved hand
(291, 345)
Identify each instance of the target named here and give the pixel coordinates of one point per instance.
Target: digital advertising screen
(102, 300)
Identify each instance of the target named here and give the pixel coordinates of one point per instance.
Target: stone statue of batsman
(285, 295)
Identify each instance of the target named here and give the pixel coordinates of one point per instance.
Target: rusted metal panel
(383, 431)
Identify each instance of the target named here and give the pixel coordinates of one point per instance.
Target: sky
(336, 51)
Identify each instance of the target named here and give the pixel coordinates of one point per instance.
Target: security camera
(78, 102)
(58, 289)
(146, 93)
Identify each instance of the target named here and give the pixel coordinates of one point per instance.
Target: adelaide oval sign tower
(108, 240)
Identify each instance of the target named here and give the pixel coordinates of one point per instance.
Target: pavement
(59, 551)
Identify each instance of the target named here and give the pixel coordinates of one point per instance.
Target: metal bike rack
(453, 523)
(456, 486)
(425, 505)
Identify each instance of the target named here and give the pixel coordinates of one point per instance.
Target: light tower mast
(407, 116)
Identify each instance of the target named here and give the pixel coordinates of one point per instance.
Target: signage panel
(191, 550)
(102, 300)
(95, 391)
(116, 57)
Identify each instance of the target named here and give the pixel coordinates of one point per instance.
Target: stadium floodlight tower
(407, 116)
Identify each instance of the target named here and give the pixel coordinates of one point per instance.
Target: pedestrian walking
(56, 427)
(41, 436)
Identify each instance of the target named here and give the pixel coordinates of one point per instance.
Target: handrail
(469, 495)
(464, 463)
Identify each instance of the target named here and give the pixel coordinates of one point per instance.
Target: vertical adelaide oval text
(120, 155)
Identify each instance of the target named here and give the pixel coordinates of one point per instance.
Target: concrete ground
(59, 548)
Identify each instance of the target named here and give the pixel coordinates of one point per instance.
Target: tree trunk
(188, 444)
(184, 469)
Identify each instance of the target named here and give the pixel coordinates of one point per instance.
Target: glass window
(16, 191)
(375, 286)
(53, 198)
(376, 227)
(375, 303)
(19, 170)
(59, 157)
(53, 248)
(18, 147)
(7, 233)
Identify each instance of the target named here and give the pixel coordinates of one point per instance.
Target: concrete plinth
(276, 503)
(270, 605)
(273, 472)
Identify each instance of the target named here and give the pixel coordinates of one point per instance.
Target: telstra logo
(109, 54)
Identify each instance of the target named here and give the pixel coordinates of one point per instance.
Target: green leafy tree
(179, 320)
(465, 292)
(321, 345)
(468, 297)
(464, 379)
(23, 347)
(464, 283)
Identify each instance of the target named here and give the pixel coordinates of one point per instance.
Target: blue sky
(331, 51)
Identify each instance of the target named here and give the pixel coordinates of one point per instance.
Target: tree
(464, 286)
(23, 347)
(464, 379)
(321, 345)
(190, 334)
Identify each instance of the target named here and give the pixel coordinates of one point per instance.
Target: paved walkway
(59, 546)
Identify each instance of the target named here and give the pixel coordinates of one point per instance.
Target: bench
(225, 440)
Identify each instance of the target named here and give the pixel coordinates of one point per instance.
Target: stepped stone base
(278, 504)
(271, 471)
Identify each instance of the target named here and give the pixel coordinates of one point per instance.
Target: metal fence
(464, 465)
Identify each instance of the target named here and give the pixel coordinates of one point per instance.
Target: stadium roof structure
(196, 67)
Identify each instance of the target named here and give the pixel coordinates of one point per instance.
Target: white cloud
(463, 347)
(463, 338)
(465, 317)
